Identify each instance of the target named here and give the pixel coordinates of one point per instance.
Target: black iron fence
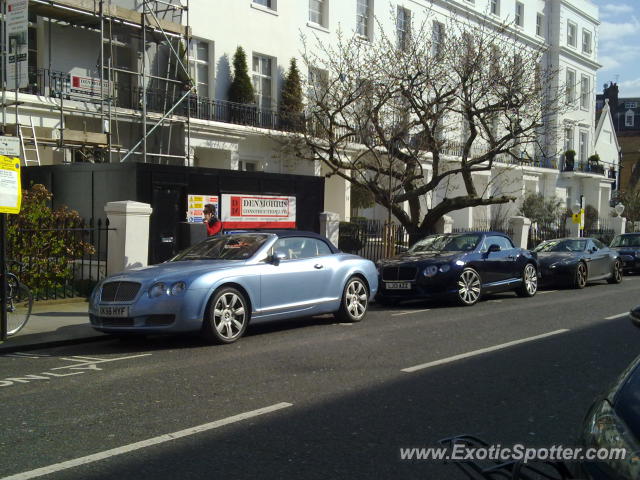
(487, 226)
(605, 235)
(541, 231)
(69, 272)
(372, 239)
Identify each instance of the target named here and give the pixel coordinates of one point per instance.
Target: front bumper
(443, 284)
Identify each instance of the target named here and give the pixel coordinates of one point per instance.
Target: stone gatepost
(128, 235)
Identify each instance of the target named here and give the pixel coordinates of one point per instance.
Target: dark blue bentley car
(463, 266)
(628, 246)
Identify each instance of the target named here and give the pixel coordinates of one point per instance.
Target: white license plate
(397, 285)
(114, 311)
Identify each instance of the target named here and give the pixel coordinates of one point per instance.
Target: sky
(619, 45)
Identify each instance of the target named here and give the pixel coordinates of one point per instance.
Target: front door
(165, 219)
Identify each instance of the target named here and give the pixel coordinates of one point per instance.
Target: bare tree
(404, 119)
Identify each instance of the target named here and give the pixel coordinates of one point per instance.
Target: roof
(290, 233)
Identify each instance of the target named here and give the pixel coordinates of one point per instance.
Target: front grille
(390, 274)
(119, 291)
(113, 322)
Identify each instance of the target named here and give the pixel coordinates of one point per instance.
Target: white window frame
(258, 76)
(316, 77)
(583, 144)
(572, 34)
(540, 24)
(519, 14)
(586, 35)
(585, 91)
(363, 18)
(268, 4)
(319, 16)
(571, 86)
(403, 27)
(495, 8)
(568, 138)
(194, 62)
(629, 118)
(630, 104)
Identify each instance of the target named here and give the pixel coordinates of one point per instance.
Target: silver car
(221, 284)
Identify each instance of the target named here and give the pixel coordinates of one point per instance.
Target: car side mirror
(494, 248)
(277, 257)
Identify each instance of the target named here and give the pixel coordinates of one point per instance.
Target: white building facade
(75, 123)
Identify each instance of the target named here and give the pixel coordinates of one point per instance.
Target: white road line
(481, 351)
(26, 355)
(409, 312)
(620, 315)
(84, 363)
(547, 291)
(145, 443)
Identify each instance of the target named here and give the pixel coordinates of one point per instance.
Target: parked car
(220, 285)
(577, 261)
(628, 246)
(462, 266)
(613, 421)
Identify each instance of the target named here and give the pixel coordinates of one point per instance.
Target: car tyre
(227, 316)
(580, 276)
(469, 287)
(354, 301)
(616, 273)
(529, 285)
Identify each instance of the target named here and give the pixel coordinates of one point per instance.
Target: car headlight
(604, 430)
(430, 271)
(178, 288)
(158, 290)
(445, 268)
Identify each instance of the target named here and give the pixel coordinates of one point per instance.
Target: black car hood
(423, 257)
(547, 258)
(626, 401)
(626, 250)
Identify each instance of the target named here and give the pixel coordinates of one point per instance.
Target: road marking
(620, 315)
(82, 362)
(494, 301)
(481, 351)
(546, 291)
(26, 355)
(409, 312)
(144, 443)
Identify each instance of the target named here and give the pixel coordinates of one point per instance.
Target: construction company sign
(16, 40)
(196, 205)
(258, 211)
(89, 87)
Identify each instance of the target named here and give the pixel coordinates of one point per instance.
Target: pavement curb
(4, 348)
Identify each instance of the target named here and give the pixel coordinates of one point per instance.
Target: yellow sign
(10, 187)
(579, 218)
(575, 217)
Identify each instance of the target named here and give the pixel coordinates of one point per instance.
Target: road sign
(10, 146)
(10, 187)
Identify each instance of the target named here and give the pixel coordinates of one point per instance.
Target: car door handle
(318, 266)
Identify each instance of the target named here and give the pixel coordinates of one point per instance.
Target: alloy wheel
(356, 299)
(229, 316)
(581, 276)
(530, 279)
(469, 287)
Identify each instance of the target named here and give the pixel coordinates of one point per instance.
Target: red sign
(258, 211)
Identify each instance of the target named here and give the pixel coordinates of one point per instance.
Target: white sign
(16, 38)
(258, 211)
(89, 87)
(195, 205)
(10, 146)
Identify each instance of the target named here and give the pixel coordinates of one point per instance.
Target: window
(584, 92)
(503, 242)
(363, 14)
(584, 146)
(568, 138)
(301, 247)
(247, 166)
(519, 14)
(437, 38)
(199, 66)
(263, 80)
(628, 119)
(571, 86)
(571, 34)
(540, 24)
(317, 13)
(630, 105)
(266, 3)
(586, 41)
(318, 82)
(495, 7)
(403, 25)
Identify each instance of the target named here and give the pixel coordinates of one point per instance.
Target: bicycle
(19, 302)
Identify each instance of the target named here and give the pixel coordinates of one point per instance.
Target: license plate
(114, 311)
(397, 285)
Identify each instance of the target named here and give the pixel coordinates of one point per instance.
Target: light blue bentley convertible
(221, 284)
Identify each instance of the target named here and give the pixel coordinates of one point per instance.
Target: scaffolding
(161, 29)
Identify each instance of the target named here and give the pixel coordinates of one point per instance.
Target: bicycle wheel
(19, 303)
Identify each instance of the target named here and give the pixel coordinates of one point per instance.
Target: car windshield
(562, 246)
(226, 247)
(447, 243)
(626, 241)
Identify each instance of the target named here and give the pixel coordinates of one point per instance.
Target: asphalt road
(312, 399)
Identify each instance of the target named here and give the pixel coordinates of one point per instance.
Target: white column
(128, 235)
(520, 227)
(330, 226)
(444, 224)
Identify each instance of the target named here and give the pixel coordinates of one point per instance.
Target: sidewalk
(54, 323)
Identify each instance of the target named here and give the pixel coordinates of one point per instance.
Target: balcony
(585, 167)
